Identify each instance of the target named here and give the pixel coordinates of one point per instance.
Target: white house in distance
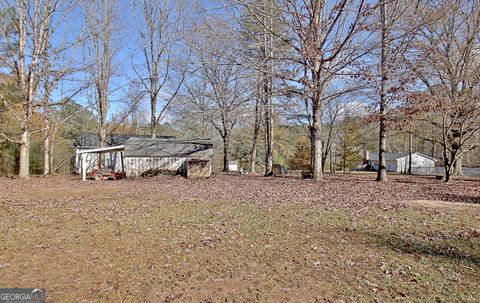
(418, 161)
(398, 162)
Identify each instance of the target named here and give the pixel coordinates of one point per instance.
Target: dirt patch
(445, 204)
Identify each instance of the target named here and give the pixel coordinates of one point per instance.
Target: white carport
(101, 150)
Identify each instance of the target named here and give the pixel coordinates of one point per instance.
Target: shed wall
(136, 166)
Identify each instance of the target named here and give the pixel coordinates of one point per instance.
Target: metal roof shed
(152, 155)
(154, 147)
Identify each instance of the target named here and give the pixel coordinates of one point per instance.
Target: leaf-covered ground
(242, 239)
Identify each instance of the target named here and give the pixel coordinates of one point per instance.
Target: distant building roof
(92, 140)
(148, 147)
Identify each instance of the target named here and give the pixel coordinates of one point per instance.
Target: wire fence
(467, 171)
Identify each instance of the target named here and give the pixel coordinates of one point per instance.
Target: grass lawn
(176, 240)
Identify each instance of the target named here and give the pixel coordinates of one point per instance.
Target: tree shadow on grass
(426, 248)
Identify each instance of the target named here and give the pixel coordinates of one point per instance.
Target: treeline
(303, 83)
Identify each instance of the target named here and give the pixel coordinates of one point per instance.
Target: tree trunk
(103, 123)
(52, 145)
(325, 154)
(315, 133)
(153, 118)
(316, 124)
(382, 162)
(256, 130)
(331, 160)
(46, 147)
(46, 155)
(103, 143)
(24, 161)
(335, 163)
(268, 93)
(268, 137)
(447, 173)
(382, 142)
(103, 46)
(204, 124)
(103, 137)
(410, 143)
(253, 157)
(52, 167)
(317, 174)
(459, 166)
(446, 160)
(225, 153)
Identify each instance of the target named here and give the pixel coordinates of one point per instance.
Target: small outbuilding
(148, 155)
(141, 156)
(233, 166)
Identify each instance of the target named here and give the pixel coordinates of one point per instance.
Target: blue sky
(126, 37)
(126, 40)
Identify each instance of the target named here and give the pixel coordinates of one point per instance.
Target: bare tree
(396, 32)
(194, 118)
(335, 111)
(394, 26)
(57, 63)
(135, 109)
(159, 32)
(382, 135)
(260, 21)
(256, 130)
(325, 42)
(268, 82)
(27, 52)
(102, 27)
(217, 86)
(447, 66)
(326, 39)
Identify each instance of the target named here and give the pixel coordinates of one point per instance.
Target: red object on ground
(106, 174)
